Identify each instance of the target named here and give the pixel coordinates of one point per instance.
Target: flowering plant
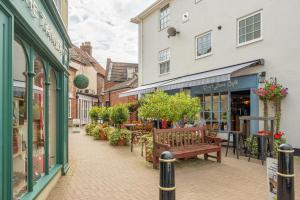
(271, 91)
(278, 136)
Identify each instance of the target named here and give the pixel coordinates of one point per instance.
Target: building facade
(220, 51)
(120, 77)
(83, 63)
(34, 60)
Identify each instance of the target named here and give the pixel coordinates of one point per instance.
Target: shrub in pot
(104, 114)
(119, 114)
(119, 137)
(98, 133)
(89, 127)
(94, 114)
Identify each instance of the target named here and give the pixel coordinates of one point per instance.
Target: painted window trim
(238, 44)
(159, 18)
(164, 61)
(196, 45)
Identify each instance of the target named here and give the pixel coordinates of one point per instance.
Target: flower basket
(102, 135)
(122, 142)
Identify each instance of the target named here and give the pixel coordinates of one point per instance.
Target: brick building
(84, 63)
(120, 77)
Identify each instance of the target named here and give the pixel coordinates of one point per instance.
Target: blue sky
(106, 23)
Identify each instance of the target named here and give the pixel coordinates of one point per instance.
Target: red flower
(277, 137)
(273, 87)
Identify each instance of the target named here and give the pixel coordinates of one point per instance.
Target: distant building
(120, 77)
(83, 62)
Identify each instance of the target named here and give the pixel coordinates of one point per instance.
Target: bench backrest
(179, 137)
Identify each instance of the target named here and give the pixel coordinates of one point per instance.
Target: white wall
(279, 46)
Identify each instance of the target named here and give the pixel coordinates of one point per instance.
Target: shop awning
(208, 77)
(143, 89)
(203, 78)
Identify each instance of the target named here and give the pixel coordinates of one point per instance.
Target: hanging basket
(81, 81)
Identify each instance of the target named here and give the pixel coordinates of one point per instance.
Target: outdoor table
(131, 127)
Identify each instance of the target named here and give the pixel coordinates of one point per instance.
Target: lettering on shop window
(220, 86)
(45, 26)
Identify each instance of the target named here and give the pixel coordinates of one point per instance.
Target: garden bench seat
(185, 143)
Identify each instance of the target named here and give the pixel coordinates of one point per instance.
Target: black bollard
(285, 173)
(167, 176)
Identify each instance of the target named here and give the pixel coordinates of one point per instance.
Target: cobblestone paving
(102, 172)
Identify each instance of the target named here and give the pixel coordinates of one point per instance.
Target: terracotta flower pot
(122, 142)
(102, 135)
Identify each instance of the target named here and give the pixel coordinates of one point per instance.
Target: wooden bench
(185, 143)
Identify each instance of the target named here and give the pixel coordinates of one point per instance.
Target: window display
(38, 122)
(20, 138)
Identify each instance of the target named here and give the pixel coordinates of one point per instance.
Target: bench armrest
(215, 140)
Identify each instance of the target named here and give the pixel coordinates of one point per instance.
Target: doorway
(240, 106)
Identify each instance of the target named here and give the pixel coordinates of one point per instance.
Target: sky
(106, 24)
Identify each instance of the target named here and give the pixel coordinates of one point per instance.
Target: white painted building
(220, 51)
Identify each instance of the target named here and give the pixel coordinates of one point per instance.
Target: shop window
(52, 119)
(214, 110)
(249, 28)
(164, 17)
(203, 45)
(20, 122)
(38, 122)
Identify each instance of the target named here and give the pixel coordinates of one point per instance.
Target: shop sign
(272, 165)
(221, 86)
(37, 13)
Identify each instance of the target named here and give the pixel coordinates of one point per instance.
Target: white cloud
(106, 23)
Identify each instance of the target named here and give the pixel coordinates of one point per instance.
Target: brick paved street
(102, 172)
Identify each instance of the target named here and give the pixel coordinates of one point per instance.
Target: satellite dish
(172, 32)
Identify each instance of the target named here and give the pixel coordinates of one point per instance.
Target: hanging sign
(272, 165)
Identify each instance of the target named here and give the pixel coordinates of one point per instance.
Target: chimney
(87, 47)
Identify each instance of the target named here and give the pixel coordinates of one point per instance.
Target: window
(249, 28)
(215, 110)
(130, 72)
(203, 45)
(52, 120)
(70, 109)
(20, 122)
(38, 121)
(164, 61)
(164, 17)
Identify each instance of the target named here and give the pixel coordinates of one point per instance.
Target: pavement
(99, 171)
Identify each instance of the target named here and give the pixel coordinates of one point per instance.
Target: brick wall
(115, 99)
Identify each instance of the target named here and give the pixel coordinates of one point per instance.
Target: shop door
(240, 106)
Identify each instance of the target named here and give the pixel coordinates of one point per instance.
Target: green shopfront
(33, 97)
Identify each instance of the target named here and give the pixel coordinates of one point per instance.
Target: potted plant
(119, 137)
(98, 133)
(89, 127)
(119, 114)
(104, 114)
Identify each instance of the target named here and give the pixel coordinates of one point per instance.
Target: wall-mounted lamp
(219, 27)
(262, 77)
